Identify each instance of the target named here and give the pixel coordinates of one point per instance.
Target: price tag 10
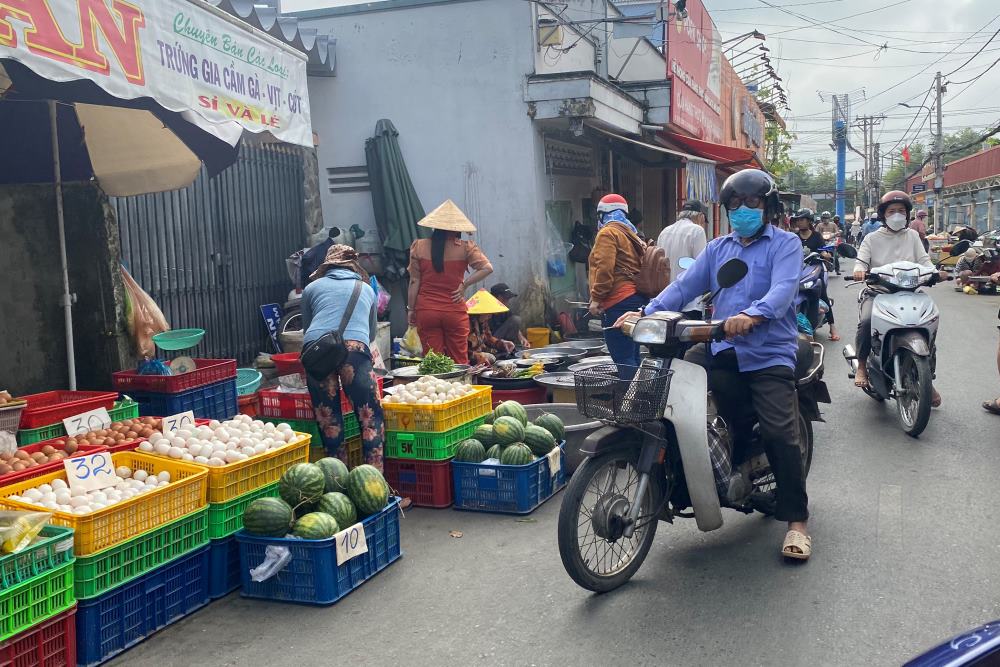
(177, 421)
(90, 473)
(350, 543)
(85, 422)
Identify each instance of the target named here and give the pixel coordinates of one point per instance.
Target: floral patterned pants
(360, 383)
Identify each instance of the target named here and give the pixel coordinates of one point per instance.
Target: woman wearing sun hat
(436, 297)
(484, 347)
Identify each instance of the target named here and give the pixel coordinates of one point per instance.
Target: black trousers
(767, 396)
(863, 339)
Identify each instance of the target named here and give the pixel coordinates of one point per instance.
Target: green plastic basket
(123, 562)
(428, 446)
(226, 518)
(352, 428)
(247, 381)
(124, 409)
(51, 549)
(35, 600)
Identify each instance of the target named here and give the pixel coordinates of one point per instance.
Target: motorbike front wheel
(593, 518)
(913, 393)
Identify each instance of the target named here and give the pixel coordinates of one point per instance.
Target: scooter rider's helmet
(806, 213)
(894, 197)
(825, 215)
(612, 202)
(756, 189)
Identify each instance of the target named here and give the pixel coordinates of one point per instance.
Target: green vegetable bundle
(434, 364)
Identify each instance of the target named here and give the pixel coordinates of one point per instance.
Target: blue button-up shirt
(774, 260)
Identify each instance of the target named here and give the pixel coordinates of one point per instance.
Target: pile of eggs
(219, 444)
(58, 496)
(428, 391)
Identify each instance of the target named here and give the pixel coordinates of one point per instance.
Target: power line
(973, 56)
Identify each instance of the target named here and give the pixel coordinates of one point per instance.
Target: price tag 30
(85, 422)
(350, 543)
(90, 473)
(178, 421)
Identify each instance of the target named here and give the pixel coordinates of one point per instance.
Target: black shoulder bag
(327, 353)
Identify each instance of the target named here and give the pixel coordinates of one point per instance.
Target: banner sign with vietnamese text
(185, 54)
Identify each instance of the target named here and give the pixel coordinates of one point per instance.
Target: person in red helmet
(614, 259)
(894, 241)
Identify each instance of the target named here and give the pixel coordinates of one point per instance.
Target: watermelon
(512, 409)
(367, 489)
(269, 517)
(470, 450)
(335, 474)
(484, 434)
(494, 452)
(316, 526)
(516, 455)
(553, 425)
(339, 507)
(538, 440)
(508, 430)
(489, 418)
(303, 482)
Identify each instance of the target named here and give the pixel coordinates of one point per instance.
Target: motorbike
(904, 327)
(812, 284)
(652, 460)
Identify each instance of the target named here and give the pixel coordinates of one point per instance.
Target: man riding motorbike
(802, 224)
(753, 370)
(829, 228)
(893, 242)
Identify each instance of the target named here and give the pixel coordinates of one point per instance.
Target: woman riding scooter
(802, 224)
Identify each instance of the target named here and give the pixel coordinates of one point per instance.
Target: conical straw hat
(484, 303)
(448, 217)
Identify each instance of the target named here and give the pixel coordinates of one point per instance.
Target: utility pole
(938, 155)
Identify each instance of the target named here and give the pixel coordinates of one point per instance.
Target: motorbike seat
(804, 357)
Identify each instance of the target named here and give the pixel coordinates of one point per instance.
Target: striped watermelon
(367, 489)
(470, 450)
(316, 526)
(538, 440)
(269, 517)
(508, 430)
(485, 435)
(303, 482)
(494, 452)
(516, 455)
(489, 418)
(339, 507)
(512, 409)
(553, 425)
(334, 473)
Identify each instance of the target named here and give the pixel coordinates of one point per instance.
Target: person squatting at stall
(484, 346)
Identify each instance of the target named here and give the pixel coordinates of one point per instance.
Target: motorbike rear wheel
(592, 518)
(913, 394)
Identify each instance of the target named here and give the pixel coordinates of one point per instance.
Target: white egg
(33, 495)
(16, 498)
(193, 448)
(175, 452)
(223, 434)
(259, 448)
(164, 476)
(59, 484)
(123, 471)
(78, 501)
(161, 448)
(62, 497)
(82, 510)
(247, 451)
(200, 459)
(145, 446)
(99, 497)
(178, 442)
(140, 475)
(128, 493)
(215, 462)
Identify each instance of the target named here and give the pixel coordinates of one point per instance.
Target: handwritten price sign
(350, 543)
(85, 422)
(178, 421)
(90, 473)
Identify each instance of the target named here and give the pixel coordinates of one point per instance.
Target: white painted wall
(646, 64)
(574, 54)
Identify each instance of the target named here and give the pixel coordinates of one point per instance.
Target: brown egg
(23, 455)
(58, 456)
(131, 435)
(146, 432)
(61, 442)
(5, 469)
(30, 463)
(110, 442)
(18, 467)
(40, 456)
(48, 450)
(71, 447)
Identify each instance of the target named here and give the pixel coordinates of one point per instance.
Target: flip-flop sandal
(861, 383)
(992, 407)
(834, 338)
(797, 545)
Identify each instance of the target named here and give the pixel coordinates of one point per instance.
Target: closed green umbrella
(395, 201)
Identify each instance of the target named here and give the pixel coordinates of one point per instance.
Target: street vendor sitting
(484, 347)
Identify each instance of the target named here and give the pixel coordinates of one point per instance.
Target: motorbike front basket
(622, 394)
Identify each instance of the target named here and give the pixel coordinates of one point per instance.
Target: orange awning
(723, 156)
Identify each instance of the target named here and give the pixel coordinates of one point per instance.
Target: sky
(842, 55)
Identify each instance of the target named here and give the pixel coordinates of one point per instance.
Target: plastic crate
(124, 409)
(35, 600)
(124, 616)
(428, 446)
(345, 403)
(51, 643)
(51, 549)
(444, 417)
(249, 405)
(355, 453)
(352, 428)
(99, 573)
(224, 567)
(313, 576)
(44, 468)
(207, 371)
(10, 416)
(425, 483)
(115, 524)
(506, 489)
(213, 401)
(226, 518)
(286, 404)
(51, 407)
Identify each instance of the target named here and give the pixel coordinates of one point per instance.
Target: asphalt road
(905, 549)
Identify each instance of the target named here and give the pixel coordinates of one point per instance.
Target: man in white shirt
(684, 238)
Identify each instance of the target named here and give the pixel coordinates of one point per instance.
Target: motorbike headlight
(808, 284)
(907, 279)
(651, 331)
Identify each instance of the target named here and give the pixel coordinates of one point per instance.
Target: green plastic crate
(51, 549)
(352, 428)
(124, 409)
(123, 562)
(226, 518)
(428, 446)
(35, 600)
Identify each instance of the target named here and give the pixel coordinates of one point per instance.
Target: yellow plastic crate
(444, 417)
(122, 521)
(355, 454)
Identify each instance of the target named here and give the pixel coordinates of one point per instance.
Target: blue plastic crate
(213, 401)
(224, 568)
(126, 615)
(313, 576)
(506, 489)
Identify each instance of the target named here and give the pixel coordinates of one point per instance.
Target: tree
(777, 145)
(956, 140)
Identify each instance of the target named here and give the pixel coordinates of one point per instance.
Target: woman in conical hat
(438, 281)
(484, 347)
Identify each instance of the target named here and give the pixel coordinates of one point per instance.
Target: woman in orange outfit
(436, 297)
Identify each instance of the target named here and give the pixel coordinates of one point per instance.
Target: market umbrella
(394, 199)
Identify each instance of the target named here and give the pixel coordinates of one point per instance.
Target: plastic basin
(178, 339)
(578, 427)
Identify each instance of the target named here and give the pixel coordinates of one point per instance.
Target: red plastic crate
(51, 407)
(345, 403)
(286, 404)
(207, 371)
(426, 483)
(27, 473)
(249, 405)
(51, 643)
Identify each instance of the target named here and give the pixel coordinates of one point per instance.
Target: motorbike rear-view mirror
(847, 250)
(685, 262)
(960, 248)
(731, 272)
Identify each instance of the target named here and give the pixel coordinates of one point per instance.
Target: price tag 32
(85, 422)
(90, 473)
(178, 421)
(350, 543)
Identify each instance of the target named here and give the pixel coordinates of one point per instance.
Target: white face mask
(896, 222)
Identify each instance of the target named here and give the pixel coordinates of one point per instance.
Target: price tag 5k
(84, 422)
(90, 473)
(350, 543)
(177, 421)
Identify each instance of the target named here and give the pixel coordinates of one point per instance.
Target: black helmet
(753, 183)
(894, 197)
(806, 213)
(825, 215)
